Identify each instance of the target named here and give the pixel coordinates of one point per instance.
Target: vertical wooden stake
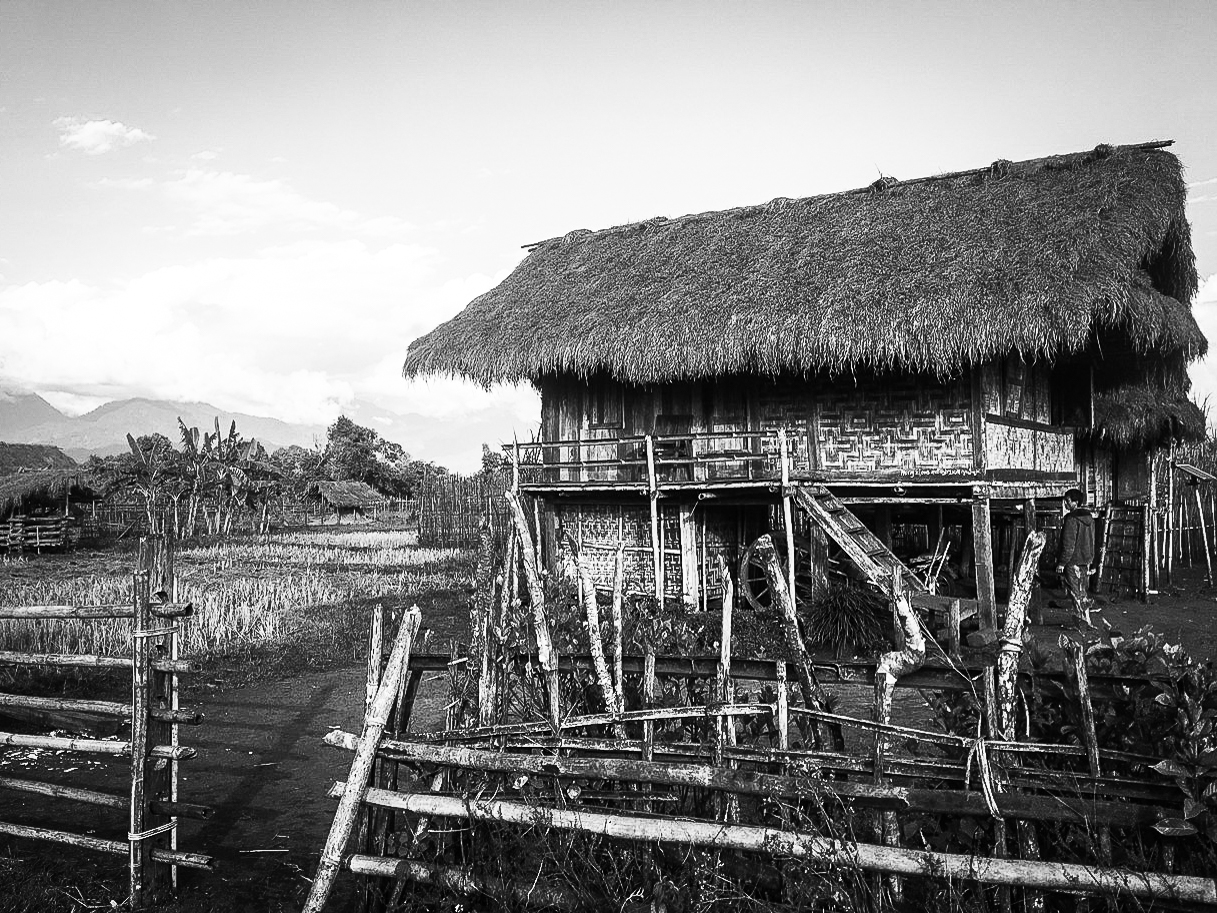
(618, 621)
(1204, 535)
(783, 710)
(138, 861)
(954, 620)
(546, 654)
(982, 539)
(1076, 657)
(656, 546)
(787, 514)
(361, 766)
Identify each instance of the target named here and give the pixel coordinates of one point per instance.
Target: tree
(356, 453)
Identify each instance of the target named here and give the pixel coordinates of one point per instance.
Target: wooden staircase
(874, 559)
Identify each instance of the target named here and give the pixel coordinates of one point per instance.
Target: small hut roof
(18, 489)
(1036, 257)
(346, 494)
(1140, 416)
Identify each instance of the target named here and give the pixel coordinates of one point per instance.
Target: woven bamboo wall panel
(904, 424)
(1013, 447)
(597, 528)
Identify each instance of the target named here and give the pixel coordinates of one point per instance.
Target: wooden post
(1076, 658)
(1204, 534)
(546, 655)
(783, 710)
(618, 621)
(1170, 514)
(954, 619)
(656, 546)
(787, 514)
(156, 558)
(515, 468)
(982, 539)
(361, 766)
(1011, 647)
(139, 861)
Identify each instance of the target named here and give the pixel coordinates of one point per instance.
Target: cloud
(1204, 373)
(293, 331)
(224, 203)
(95, 137)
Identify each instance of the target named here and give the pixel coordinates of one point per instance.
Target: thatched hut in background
(353, 499)
(917, 353)
(38, 486)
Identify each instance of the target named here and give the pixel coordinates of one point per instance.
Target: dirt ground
(263, 767)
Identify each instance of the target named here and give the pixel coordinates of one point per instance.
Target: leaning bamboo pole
(547, 656)
(464, 880)
(361, 766)
(1053, 876)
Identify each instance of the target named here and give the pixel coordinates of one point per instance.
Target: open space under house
(913, 363)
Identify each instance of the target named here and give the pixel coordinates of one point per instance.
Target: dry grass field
(281, 625)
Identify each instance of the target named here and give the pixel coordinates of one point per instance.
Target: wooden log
(70, 793)
(1013, 628)
(722, 675)
(631, 770)
(813, 696)
(546, 655)
(1055, 876)
(464, 880)
(81, 660)
(66, 611)
(70, 705)
(114, 847)
(591, 612)
(374, 726)
(181, 717)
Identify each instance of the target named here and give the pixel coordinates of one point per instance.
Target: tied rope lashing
(157, 632)
(152, 832)
(978, 749)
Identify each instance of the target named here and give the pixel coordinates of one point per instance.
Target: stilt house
(865, 372)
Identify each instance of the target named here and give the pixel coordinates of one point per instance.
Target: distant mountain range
(454, 442)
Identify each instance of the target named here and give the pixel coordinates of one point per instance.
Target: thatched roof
(345, 495)
(1140, 416)
(22, 490)
(931, 275)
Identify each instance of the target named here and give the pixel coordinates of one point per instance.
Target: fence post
(152, 690)
(139, 739)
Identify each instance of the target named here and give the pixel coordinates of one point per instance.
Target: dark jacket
(1077, 539)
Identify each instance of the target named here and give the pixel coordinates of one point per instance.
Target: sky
(260, 204)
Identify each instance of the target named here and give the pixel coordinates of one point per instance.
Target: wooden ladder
(1120, 555)
(874, 559)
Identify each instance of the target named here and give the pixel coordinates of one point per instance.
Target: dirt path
(261, 765)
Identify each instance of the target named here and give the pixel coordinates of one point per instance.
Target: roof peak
(998, 168)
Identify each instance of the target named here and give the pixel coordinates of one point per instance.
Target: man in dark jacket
(1075, 553)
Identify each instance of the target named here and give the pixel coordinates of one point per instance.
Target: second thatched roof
(1040, 258)
(1140, 416)
(347, 495)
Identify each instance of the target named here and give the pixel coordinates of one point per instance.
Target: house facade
(919, 356)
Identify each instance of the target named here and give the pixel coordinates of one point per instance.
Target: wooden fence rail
(154, 714)
(423, 807)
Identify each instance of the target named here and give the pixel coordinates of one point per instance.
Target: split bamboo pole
(1054, 876)
(464, 880)
(361, 766)
(618, 617)
(1076, 657)
(656, 545)
(591, 611)
(139, 877)
(547, 656)
(1013, 628)
(1204, 535)
(787, 513)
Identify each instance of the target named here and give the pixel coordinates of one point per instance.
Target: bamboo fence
(452, 508)
(545, 746)
(152, 747)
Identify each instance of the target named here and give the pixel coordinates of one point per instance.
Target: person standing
(1075, 553)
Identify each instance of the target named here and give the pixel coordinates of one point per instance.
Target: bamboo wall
(451, 508)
